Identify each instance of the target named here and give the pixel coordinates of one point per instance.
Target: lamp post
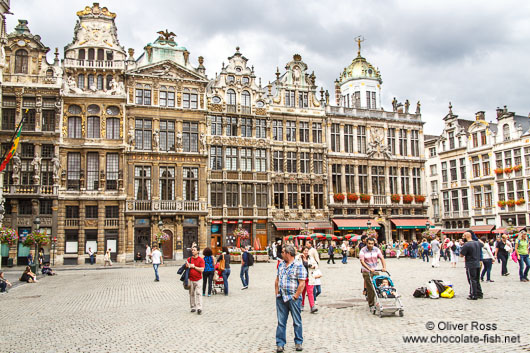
(36, 222)
(369, 224)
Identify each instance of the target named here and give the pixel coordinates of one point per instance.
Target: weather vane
(359, 40)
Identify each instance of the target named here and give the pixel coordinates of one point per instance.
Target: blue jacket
(185, 272)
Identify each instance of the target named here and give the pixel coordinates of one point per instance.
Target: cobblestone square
(124, 310)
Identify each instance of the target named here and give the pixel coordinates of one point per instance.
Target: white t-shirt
(156, 255)
(148, 251)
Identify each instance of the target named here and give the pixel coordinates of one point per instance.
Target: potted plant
(338, 197)
(161, 237)
(510, 203)
(395, 198)
(508, 170)
(419, 198)
(353, 197)
(8, 236)
(517, 168)
(37, 236)
(407, 198)
(370, 233)
(520, 202)
(365, 198)
(499, 171)
(501, 203)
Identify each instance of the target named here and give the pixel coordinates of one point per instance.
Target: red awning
(288, 225)
(411, 223)
(453, 231)
(503, 230)
(486, 229)
(354, 224)
(320, 225)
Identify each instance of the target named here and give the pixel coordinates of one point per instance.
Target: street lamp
(369, 224)
(428, 225)
(510, 222)
(36, 222)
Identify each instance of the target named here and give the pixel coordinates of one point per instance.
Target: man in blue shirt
(290, 282)
(244, 268)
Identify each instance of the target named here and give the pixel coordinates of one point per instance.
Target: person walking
(521, 248)
(487, 259)
(313, 252)
(289, 284)
(435, 246)
(331, 252)
(309, 264)
(502, 251)
(451, 246)
(91, 255)
(383, 248)
(398, 249)
(196, 265)
(244, 267)
(224, 260)
(471, 251)
(107, 259)
(369, 256)
(147, 254)
(344, 249)
(209, 270)
(425, 252)
(414, 251)
(156, 257)
(279, 250)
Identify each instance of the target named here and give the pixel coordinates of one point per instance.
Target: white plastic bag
(432, 290)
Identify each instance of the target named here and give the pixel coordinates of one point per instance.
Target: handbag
(221, 263)
(514, 256)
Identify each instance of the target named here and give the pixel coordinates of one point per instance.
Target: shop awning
(320, 225)
(485, 229)
(503, 230)
(288, 225)
(453, 231)
(411, 223)
(354, 224)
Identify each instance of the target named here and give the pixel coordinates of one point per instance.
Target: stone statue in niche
(16, 168)
(70, 86)
(36, 164)
(130, 137)
(56, 167)
(179, 140)
(202, 141)
(156, 139)
(407, 105)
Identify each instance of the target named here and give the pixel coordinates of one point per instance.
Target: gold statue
(166, 35)
(359, 39)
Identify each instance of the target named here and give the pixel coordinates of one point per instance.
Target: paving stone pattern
(124, 310)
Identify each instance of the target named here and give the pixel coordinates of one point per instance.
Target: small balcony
(112, 223)
(95, 64)
(165, 206)
(71, 222)
(231, 108)
(31, 189)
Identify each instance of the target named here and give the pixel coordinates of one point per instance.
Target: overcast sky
(472, 53)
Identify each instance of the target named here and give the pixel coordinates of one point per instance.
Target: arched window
(506, 132)
(101, 54)
(90, 81)
(21, 62)
(231, 97)
(81, 81)
(109, 79)
(91, 54)
(245, 99)
(81, 54)
(100, 82)
(49, 73)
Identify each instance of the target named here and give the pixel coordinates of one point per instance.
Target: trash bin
(10, 262)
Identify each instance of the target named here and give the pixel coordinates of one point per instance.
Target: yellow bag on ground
(448, 293)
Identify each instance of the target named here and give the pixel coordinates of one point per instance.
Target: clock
(21, 43)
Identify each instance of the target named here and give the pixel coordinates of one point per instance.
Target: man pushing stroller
(369, 256)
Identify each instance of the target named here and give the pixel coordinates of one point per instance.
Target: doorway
(167, 246)
(190, 236)
(141, 239)
(23, 251)
(381, 234)
(111, 242)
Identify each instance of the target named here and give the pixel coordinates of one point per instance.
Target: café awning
(485, 229)
(288, 225)
(320, 225)
(411, 223)
(355, 224)
(453, 231)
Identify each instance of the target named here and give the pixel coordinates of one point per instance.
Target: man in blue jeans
(156, 255)
(290, 282)
(244, 268)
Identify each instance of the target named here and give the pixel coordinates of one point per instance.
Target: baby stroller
(218, 283)
(387, 300)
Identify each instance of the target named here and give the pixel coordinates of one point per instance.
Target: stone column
(341, 129)
(343, 178)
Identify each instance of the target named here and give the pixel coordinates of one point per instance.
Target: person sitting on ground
(138, 257)
(47, 270)
(4, 283)
(28, 276)
(386, 290)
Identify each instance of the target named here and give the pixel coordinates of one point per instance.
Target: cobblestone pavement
(124, 310)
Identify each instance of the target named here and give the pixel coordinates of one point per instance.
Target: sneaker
(192, 310)
(157, 280)
(199, 312)
(209, 295)
(299, 347)
(314, 310)
(279, 349)
(472, 298)
(490, 280)
(245, 287)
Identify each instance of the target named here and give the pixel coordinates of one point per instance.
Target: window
(91, 212)
(245, 159)
(318, 163)
(48, 120)
(112, 171)
(25, 207)
(476, 167)
(432, 152)
(302, 100)
(378, 180)
(29, 119)
(434, 186)
(405, 179)
(73, 171)
(245, 102)
(81, 81)
(290, 131)
(348, 138)
(433, 170)
(217, 125)
(393, 179)
(191, 183)
(475, 139)
(357, 103)
(112, 212)
(305, 196)
(231, 100)
(451, 140)
(304, 131)
(247, 195)
(278, 161)
(245, 80)
(463, 169)
(45, 207)
(142, 182)
(92, 167)
(46, 171)
(167, 135)
(21, 61)
(317, 132)
(487, 196)
(216, 194)
(167, 97)
(318, 196)
(506, 132)
(232, 194)
(109, 80)
(260, 160)
(454, 175)
(415, 143)
(291, 162)
(81, 54)
(279, 196)
(113, 128)
(189, 99)
(277, 130)
(361, 139)
(143, 134)
(231, 79)
(143, 94)
(8, 118)
(416, 181)
(304, 162)
(167, 183)
(72, 212)
(190, 137)
(336, 178)
(335, 137)
(363, 179)
(403, 142)
(391, 140)
(447, 207)
(261, 195)
(246, 127)
(292, 195)
(483, 139)
(508, 158)
(261, 128)
(477, 194)
(28, 152)
(454, 201)
(444, 172)
(92, 127)
(216, 157)
(231, 158)
(289, 98)
(231, 126)
(465, 204)
(90, 83)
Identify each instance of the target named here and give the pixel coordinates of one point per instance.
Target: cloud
(472, 53)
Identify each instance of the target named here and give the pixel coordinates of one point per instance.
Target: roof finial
(359, 40)
(450, 108)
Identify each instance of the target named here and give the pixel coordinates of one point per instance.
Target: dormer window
(110, 55)
(231, 79)
(302, 99)
(506, 132)
(289, 98)
(91, 54)
(451, 140)
(245, 80)
(21, 61)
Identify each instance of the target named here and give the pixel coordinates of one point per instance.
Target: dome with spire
(360, 68)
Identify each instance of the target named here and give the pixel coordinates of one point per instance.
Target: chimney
(480, 116)
(499, 113)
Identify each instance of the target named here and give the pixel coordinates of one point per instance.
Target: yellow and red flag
(13, 149)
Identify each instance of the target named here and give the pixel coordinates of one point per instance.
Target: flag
(13, 149)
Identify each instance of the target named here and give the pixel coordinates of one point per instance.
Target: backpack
(448, 293)
(250, 259)
(420, 292)
(453, 248)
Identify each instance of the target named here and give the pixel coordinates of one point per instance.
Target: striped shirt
(288, 277)
(370, 257)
